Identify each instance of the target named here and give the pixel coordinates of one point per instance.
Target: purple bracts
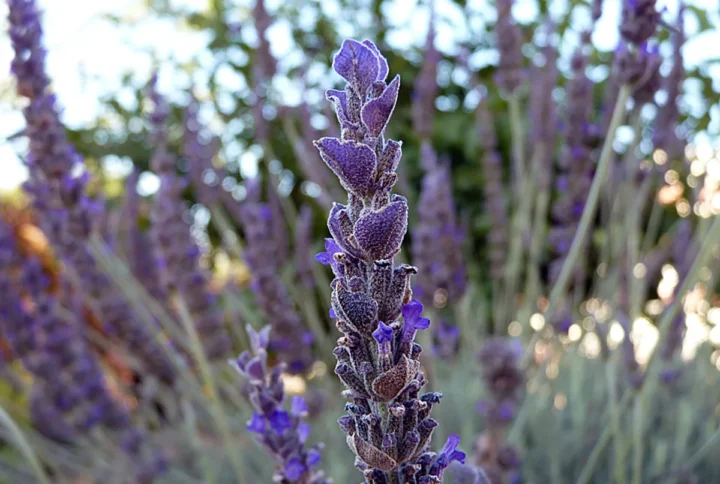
(66, 213)
(437, 240)
(388, 424)
(176, 247)
(509, 40)
(291, 341)
(282, 433)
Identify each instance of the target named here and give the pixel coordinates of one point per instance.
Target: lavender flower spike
(66, 214)
(291, 341)
(426, 87)
(508, 37)
(282, 433)
(175, 245)
(388, 424)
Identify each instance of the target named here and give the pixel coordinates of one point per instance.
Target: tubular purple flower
(438, 239)
(175, 245)
(509, 39)
(66, 213)
(377, 362)
(281, 433)
(291, 341)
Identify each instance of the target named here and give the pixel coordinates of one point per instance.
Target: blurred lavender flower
(277, 222)
(640, 19)
(437, 240)
(641, 69)
(509, 39)
(141, 253)
(182, 274)
(500, 362)
(426, 87)
(263, 69)
(446, 340)
(303, 245)
(283, 434)
(666, 135)
(493, 191)
(69, 396)
(575, 164)
(543, 112)
(199, 152)
(388, 425)
(291, 341)
(66, 213)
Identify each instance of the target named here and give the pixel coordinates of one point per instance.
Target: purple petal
(383, 333)
(380, 233)
(256, 423)
(353, 163)
(377, 112)
(357, 64)
(303, 430)
(383, 68)
(339, 99)
(298, 406)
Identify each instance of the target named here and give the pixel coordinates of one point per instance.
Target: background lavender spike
(69, 396)
(575, 164)
(388, 425)
(494, 191)
(500, 363)
(141, 251)
(426, 87)
(283, 434)
(291, 341)
(199, 151)
(438, 239)
(66, 213)
(509, 39)
(668, 136)
(182, 274)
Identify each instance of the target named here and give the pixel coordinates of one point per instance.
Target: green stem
(23, 446)
(210, 388)
(518, 141)
(227, 233)
(592, 462)
(619, 464)
(592, 201)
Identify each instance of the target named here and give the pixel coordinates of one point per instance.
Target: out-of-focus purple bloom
(69, 396)
(264, 59)
(66, 214)
(667, 135)
(640, 19)
(290, 340)
(426, 87)
(141, 253)
(500, 362)
(543, 112)
(446, 340)
(281, 433)
(494, 191)
(277, 222)
(176, 246)
(641, 69)
(438, 239)
(390, 446)
(199, 151)
(509, 39)
(576, 165)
